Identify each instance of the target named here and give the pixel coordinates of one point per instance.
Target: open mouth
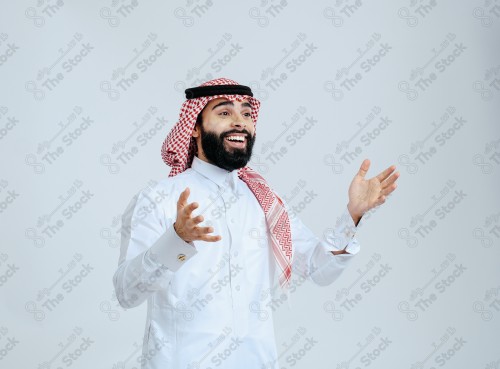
(236, 140)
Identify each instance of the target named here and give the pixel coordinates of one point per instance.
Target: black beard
(216, 152)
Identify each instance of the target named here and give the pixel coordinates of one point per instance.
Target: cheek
(213, 126)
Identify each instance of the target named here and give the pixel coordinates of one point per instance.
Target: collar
(221, 177)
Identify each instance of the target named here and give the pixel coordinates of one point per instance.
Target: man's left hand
(365, 194)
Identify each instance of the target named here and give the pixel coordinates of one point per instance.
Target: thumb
(183, 199)
(363, 169)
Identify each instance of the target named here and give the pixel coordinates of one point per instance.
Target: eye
(224, 112)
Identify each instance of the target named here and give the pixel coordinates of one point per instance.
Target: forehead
(219, 100)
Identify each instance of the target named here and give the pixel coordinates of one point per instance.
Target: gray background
(45, 171)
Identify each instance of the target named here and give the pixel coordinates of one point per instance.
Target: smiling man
(209, 277)
(222, 144)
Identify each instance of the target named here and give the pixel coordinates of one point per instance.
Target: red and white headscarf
(178, 151)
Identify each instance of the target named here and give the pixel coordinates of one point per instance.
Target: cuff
(342, 237)
(170, 251)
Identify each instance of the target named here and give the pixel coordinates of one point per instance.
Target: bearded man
(210, 278)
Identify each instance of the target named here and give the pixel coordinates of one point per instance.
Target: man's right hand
(187, 226)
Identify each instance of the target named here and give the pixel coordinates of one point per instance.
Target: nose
(238, 121)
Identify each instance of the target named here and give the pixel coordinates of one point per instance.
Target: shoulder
(173, 183)
(168, 188)
(158, 198)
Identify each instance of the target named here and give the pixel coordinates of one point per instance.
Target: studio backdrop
(89, 90)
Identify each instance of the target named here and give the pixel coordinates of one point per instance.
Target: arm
(324, 260)
(151, 250)
(355, 218)
(340, 245)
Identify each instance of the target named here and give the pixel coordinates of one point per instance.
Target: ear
(196, 131)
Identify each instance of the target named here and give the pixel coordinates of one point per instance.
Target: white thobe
(210, 304)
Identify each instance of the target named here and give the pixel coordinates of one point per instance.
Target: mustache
(224, 134)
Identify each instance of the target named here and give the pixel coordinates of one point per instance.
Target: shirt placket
(235, 269)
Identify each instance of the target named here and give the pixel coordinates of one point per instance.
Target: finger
(196, 220)
(388, 190)
(210, 238)
(382, 200)
(389, 181)
(183, 199)
(202, 231)
(363, 169)
(383, 176)
(188, 209)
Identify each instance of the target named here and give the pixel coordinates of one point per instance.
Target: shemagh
(179, 148)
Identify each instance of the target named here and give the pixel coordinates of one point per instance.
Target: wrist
(175, 229)
(180, 234)
(355, 215)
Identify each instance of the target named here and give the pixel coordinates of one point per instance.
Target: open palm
(365, 194)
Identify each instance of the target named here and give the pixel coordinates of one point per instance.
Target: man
(208, 246)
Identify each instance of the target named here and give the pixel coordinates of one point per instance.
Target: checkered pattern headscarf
(178, 151)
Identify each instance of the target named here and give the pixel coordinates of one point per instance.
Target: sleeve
(151, 251)
(312, 256)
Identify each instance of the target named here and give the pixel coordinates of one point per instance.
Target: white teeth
(236, 138)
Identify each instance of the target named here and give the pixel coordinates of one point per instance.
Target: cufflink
(181, 257)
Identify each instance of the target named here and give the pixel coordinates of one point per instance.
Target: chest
(236, 215)
(242, 257)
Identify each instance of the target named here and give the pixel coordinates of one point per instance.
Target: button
(181, 257)
(236, 253)
(237, 288)
(232, 220)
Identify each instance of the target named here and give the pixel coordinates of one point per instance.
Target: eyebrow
(227, 102)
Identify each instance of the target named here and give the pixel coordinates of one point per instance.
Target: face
(227, 133)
